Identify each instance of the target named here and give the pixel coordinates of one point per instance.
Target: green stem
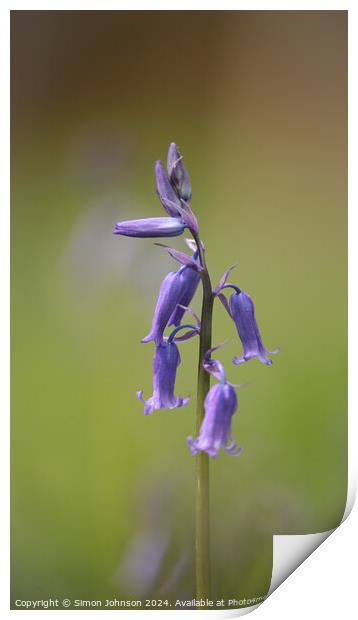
(202, 537)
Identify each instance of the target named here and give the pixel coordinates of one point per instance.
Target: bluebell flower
(190, 273)
(170, 294)
(242, 311)
(220, 405)
(191, 281)
(178, 174)
(151, 227)
(165, 363)
(177, 289)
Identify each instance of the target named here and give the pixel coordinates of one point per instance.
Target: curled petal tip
(146, 339)
(233, 450)
(238, 360)
(192, 445)
(148, 404)
(182, 402)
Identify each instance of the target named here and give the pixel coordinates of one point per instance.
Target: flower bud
(165, 191)
(150, 227)
(178, 173)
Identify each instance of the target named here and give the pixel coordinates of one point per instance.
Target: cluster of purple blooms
(176, 293)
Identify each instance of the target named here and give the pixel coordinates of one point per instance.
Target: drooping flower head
(165, 363)
(242, 311)
(243, 314)
(177, 290)
(170, 295)
(191, 282)
(220, 405)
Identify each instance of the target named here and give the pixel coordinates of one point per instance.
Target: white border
(161, 5)
(4, 307)
(327, 570)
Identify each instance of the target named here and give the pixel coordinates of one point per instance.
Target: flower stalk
(202, 512)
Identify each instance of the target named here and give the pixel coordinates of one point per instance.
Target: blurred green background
(102, 497)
